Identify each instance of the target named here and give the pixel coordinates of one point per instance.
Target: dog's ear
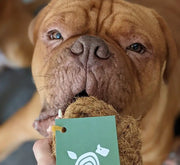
(35, 24)
(31, 30)
(171, 56)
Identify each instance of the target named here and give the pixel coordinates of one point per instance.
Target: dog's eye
(137, 47)
(55, 35)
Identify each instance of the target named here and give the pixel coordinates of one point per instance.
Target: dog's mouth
(81, 94)
(47, 119)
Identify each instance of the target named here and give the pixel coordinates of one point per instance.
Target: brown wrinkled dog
(119, 52)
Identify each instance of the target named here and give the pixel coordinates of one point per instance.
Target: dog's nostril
(77, 48)
(102, 52)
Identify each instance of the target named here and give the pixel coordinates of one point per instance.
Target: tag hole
(64, 130)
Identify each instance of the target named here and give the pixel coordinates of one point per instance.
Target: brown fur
(169, 9)
(140, 86)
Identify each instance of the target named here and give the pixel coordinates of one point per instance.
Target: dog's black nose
(90, 47)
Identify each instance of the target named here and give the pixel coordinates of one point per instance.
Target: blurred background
(16, 89)
(16, 85)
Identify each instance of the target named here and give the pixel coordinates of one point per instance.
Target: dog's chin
(46, 119)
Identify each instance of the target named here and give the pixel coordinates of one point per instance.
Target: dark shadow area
(177, 126)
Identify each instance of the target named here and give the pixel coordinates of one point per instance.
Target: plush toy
(128, 133)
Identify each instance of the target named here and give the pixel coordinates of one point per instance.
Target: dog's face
(115, 51)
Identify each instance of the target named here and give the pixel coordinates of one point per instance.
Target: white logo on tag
(89, 158)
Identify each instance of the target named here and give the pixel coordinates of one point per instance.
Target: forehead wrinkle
(57, 18)
(121, 18)
(132, 17)
(104, 12)
(74, 3)
(140, 13)
(64, 4)
(131, 14)
(58, 13)
(54, 19)
(115, 8)
(71, 6)
(91, 7)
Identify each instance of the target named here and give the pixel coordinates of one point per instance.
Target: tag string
(55, 128)
(58, 128)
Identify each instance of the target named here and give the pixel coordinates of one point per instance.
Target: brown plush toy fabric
(127, 128)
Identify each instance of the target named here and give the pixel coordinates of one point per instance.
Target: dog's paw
(89, 107)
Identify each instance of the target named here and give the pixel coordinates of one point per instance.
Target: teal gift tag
(87, 141)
